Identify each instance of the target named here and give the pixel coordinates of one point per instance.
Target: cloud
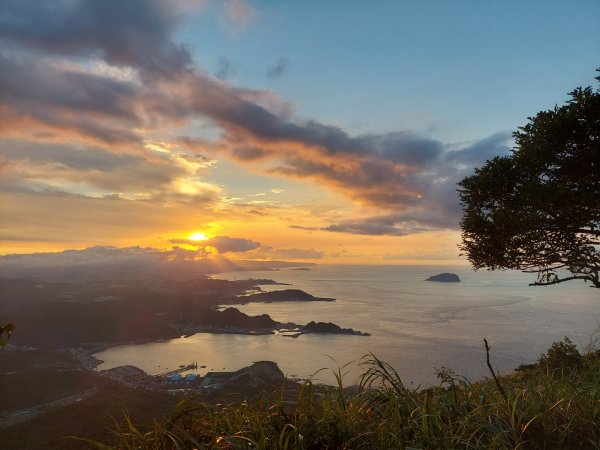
(300, 227)
(77, 219)
(225, 69)
(391, 225)
(289, 253)
(439, 254)
(105, 262)
(279, 68)
(136, 33)
(112, 263)
(238, 13)
(96, 171)
(380, 225)
(108, 74)
(225, 244)
(95, 167)
(249, 153)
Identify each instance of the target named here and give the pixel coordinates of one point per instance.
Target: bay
(415, 325)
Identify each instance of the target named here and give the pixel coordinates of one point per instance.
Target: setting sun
(198, 237)
(216, 200)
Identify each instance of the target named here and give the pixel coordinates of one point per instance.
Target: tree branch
(487, 360)
(560, 280)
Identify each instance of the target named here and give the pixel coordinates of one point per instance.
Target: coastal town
(186, 379)
(62, 325)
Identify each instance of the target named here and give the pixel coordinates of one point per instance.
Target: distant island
(445, 278)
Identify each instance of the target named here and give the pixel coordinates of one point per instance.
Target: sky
(329, 132)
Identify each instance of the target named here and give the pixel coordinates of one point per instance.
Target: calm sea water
(416, 326)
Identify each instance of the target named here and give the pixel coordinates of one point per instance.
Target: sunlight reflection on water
(414, 325)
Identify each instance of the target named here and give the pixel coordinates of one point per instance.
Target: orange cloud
(93, 85)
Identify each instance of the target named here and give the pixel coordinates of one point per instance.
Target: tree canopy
(538, 209)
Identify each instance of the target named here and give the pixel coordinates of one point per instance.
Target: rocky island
(445, 278)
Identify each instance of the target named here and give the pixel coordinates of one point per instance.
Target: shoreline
(87, 352)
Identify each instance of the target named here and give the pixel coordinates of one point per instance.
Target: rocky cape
(233, 321)
(285, 295)
(95, 315)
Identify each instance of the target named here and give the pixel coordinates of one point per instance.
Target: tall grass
(548, 405)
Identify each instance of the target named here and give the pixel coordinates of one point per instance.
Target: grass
(553, 404)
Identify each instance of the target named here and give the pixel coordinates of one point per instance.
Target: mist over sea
(415, 325)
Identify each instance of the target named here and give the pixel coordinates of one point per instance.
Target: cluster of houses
(178, 378)
(210, 380)
(259, 372)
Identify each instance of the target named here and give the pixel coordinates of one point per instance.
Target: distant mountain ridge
(126, 263)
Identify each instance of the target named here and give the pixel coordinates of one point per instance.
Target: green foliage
(5, 332)
(543, 409)
(538, 210)
(562, 355)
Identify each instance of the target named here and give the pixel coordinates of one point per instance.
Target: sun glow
(198, 237)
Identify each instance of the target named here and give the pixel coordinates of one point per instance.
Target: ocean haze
(416, 326)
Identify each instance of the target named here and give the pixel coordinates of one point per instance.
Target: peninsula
(285, 295)
(97, 315)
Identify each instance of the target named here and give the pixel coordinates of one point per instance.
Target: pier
(192, 366)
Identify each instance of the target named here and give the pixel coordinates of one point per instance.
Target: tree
(560, 356)
(538, 209)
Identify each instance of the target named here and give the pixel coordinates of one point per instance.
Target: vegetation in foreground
(552, 404)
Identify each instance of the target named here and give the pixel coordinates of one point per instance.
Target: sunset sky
(306, 131)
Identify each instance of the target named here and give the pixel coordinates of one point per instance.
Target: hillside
(550, 404)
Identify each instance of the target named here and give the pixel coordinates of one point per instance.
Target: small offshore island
(444, 278)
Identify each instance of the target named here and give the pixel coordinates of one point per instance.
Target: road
(23, 415)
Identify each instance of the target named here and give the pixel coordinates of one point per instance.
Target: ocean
(416, 326)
